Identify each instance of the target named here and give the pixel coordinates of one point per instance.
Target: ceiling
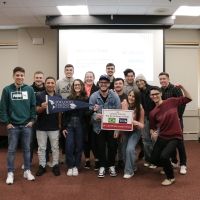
(32, 13)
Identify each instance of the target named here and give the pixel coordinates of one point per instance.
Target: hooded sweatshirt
(17, 105)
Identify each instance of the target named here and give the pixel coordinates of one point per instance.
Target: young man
(17, 111)
(63, 86)
(47, 126)
(104, 99)
(129, 83)
(169, 90)
(110, 70)
(147, 105)
(38, 84)
(166, 129)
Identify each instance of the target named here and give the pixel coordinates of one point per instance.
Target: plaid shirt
(172, 91)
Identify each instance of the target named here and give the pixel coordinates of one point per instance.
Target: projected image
(92, 49)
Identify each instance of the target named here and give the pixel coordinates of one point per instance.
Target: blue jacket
(112, 102)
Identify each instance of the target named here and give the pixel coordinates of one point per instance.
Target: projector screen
(91, 50)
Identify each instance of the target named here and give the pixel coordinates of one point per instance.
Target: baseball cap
(104, 77)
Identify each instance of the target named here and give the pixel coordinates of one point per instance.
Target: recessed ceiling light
(73, 10)
(188, 11)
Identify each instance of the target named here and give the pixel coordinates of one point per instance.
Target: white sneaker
(101, 172)
(50, 164)
(183, 170)
(152, 166)
(112, 171)
(28, 175)
(128, 175)
(167, 182)
(10, 178)
(175, 165)
(70, 172)
(146, 164)
(75, 171)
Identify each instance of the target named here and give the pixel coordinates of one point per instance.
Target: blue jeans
(129, 143)
(147, 142)
(13, 137)
(74, 143)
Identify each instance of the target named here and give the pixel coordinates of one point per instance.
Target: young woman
(90, 137)
(130, 139)
(73, 129)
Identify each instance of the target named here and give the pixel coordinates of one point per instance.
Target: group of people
(157, 122)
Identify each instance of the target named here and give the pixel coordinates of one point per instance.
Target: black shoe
(120, 165)
(96, 166)
(56, 170)
(87, 165)
(41, 171)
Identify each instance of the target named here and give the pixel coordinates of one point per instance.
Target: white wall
(182, 63)
(25, 54)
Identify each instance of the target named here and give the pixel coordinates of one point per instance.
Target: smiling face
(39, 79)
(141, 84)
(110, 70)
(164, 81)
(89, 78)
(18, 78)
(130, 78)
(50, 85)
(69, 72)
(131, 98)
(118, 86)
(77, 87)
(104, 85)
(156, 96)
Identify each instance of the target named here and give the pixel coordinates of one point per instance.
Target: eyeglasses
(155, 94)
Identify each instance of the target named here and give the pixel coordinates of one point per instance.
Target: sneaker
(10, 178)
(174, 165)
(96, 165)
(162, 172)
(22, 167)
(28, 175)
(112, 171)
(146, 164)
(167, 182)
(56, 170)
(87, 165)
(70, 172)
(41, 170)
(126, 176)
(101, 172)
(183, 170)
(151, 166)
(75, 171)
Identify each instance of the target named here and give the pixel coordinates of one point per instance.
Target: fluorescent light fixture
(73, 10)
(188, 11)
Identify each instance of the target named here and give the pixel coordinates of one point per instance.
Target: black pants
(105, 139)
(181, 152)
(162, 153)
(90, 143)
